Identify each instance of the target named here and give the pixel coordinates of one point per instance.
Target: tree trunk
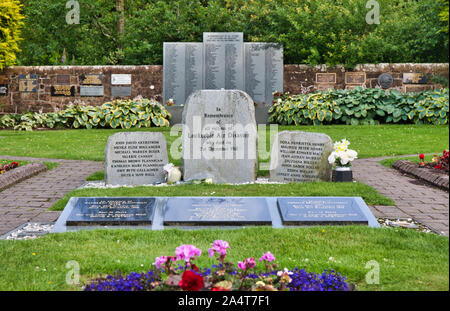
(121, 23)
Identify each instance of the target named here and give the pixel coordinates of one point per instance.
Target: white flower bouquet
(341, 155)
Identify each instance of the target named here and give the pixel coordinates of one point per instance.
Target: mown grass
(414, 159)
(408, 260)
(49, 165)
(356, 189)
(369, 141)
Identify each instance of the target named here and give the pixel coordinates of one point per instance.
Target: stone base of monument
(189, 213)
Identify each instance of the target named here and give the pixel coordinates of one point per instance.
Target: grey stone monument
(135, 158)
(220, 137)
(183, 71)
(263, 71)
(300, 156)
(223, 60)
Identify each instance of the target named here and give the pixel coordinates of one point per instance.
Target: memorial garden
(252, 149)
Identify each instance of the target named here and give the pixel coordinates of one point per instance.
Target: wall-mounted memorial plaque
(28, 83)
(91, 79)
(325, 78)
(385, 80)
(225, 211)
(120, 79)
(417, 88)
(91, 90)
(135, 158)
(3, 89)
(223, 60)
(414, 78)
(355, 78)
(263, 71)
(3, 79)
(63, 90)
(324, 87)
(300, 156)
(321, 211)
(112, 211)
(63, 79)
(220, 137)
(121, 91)
(183, 71)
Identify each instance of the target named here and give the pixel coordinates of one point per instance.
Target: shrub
(126, 114)
(360, 106)
(10, 25)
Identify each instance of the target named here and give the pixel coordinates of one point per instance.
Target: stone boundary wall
(436, 178)
(20, 173)
(36, 94)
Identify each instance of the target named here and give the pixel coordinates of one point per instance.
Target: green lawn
(369, 141)
(415, 159)
(50, 165)
(408, 260)
(369, 194)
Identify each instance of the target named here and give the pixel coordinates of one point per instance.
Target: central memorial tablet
(112, 211)
(207, 211)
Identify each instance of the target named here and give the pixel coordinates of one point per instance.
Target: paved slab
(29, 200)
(413, 198)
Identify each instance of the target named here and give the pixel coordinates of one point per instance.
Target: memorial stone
(300, 156)
(120, 79)
(183, 71)
(135, 158)
(220, 137)
(91, 90)
(28, 83)
(121, 91)
(91, 79)
(3, 89)
(263, 71)
(62, 90)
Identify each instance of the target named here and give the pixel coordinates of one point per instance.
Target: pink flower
(220, 247)
(267, 257)
(160, 261)
(247, 264)
(187, 252)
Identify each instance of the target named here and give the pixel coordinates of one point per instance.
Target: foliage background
(312, 32)
(10, 24)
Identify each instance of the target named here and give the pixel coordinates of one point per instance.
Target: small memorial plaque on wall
(63, 90)
(414, 78)
(355, 78)
(3, 79)
(121, 79)
(91, 79)
(121, 91)
(326, 78)
(91, 91)
(63, 79)
(28, 83)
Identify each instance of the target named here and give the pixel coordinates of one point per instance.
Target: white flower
(332, 158)
(208, 181)
(152, 87)
(280, 100)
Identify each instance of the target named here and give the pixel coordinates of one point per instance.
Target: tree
(10, 26)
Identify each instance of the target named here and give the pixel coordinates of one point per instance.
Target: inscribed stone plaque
(3, 89)
(325, 78)
(120, 79)
(62, 79)
(28, 83)
(91, 90)
(91, 79)
(324, 87)
(300, 156)
(135, 158)
(263, 71)
(3, 79)
(112, 211)
(223, 60)
(385, 80)
(355, 78)
(121, 91)
(417, 88)
(220, 137)
(183, 71)
(414, 78)
(217, 211)
(63, 90)
(321, 211)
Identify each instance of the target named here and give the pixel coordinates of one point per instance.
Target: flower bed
(6, 166)
(18, 173)
(225, 276)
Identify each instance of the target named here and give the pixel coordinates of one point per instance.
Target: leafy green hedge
(361, 106)
(119, 113)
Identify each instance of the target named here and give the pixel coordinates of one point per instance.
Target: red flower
(220, 289)
(438, 166)
(191, 281)
(421, 156)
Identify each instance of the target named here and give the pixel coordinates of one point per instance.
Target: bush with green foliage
(312, 32)
(10, 26)
(126, 114)
(361, 106)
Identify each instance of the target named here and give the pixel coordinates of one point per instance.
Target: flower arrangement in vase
(342, 158)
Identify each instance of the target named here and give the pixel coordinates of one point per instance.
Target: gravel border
(20, 173)
(435, 178)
